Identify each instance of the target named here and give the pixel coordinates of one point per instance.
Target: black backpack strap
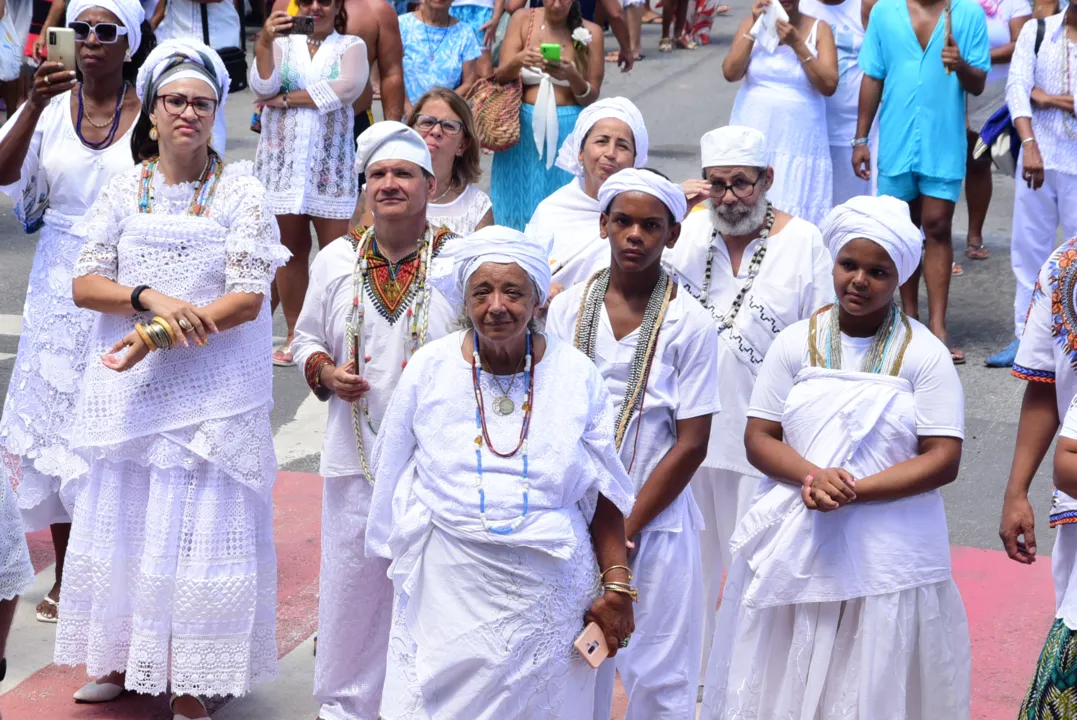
(1041, 30)
(205, 23)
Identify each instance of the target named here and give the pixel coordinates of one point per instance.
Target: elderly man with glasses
(757, 270)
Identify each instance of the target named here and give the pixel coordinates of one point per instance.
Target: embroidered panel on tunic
(391, 285)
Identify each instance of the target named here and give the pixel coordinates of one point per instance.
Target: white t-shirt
(999, 14)
(938, 397)
(683, 384)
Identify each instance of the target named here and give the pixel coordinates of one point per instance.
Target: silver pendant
(504, 406)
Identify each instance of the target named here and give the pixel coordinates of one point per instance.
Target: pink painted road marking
(1010, 607)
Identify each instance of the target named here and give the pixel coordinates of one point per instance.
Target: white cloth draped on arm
(570, 219)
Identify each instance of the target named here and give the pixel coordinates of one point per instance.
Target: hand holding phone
(301, 25)
(551, 52)
(591, 644)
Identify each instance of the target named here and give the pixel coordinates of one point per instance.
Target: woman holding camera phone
(306, 84)
(62, 146)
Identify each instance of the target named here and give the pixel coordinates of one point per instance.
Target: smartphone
(591, 644)
(551, 51)
(301, 25)
(61, 44)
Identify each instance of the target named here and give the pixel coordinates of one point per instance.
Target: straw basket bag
(496, 108)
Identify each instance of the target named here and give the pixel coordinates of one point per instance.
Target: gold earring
(154, 135)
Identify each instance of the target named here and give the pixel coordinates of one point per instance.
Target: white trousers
(355, 607)
(660, 666)
(723, 496)
(1037, 215)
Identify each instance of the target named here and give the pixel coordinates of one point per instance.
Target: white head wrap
(498, 244)
(129, 12)
(644, 181)
(734, 146)
(391, 140)
(568, 158)
(178, 59)
(883, 220)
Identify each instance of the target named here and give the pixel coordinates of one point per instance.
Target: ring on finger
(185, 325)
(47, 81)
(624, 643)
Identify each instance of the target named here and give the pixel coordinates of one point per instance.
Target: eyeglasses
(426, 123)
(106, 32)
(308, 3)
(741, 188)
(178, 104)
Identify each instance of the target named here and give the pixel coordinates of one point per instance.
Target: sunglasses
(106, 32)
(178, 104)
(426, 123)
(308, 3)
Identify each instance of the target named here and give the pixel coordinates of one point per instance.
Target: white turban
(391, 140)
(734, 146)
(568, 158)
(496, 244)
(644, 181)
(885, 221)
(179, 59)
(129, 12)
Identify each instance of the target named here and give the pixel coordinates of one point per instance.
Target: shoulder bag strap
(204, 11)
(1041, 30)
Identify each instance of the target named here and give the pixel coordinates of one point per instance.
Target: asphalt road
(682, 95)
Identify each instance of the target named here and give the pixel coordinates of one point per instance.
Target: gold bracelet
(623, 589)
(145, 337)
(602, 577)
(160, 338)
(158, 320)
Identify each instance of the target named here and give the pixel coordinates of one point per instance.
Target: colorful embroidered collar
(392, 286)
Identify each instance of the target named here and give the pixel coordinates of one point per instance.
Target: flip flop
(958, 356)
(977, 252)
(956, 270)
(665, 45)
(283, 357)
(52, 619)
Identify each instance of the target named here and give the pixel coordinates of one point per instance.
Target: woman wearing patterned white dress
(306, 155)
(789, 82)
(67, 141)
(171, 570)
(841, 601)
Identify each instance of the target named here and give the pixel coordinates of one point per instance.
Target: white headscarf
(497, 244)
(568, 158)
(644, 181)
(734, 146)
(129, 12)
(179, 59)
(885, 221)
(391, 140)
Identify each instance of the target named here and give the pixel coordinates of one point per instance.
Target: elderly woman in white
(609, 135)
(841, 595)
(171, 572)
(500, 498)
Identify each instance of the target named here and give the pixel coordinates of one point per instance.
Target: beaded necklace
(483, 436)
(112, 127)
(885, 355)
(205, 187)
(586, 336)
(726, 321)
(418, 318)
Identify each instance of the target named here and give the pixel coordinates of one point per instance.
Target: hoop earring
(154, 135)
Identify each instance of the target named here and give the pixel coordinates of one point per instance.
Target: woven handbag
(497, 113)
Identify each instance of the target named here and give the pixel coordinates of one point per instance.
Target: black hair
(340, 22)
(573, 21)
(142, 148)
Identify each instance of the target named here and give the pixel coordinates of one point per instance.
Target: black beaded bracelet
(135, 303)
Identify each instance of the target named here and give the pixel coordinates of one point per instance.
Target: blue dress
(435, 56)
(475, 16)
(519, 180)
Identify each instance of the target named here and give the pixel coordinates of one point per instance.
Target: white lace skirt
(900, 656)
(487, 634)
(44, 383)
(171, 576)
(16, 572)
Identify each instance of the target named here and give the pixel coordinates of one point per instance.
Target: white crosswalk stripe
(10, 324)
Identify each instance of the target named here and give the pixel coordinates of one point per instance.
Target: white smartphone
(61, 47)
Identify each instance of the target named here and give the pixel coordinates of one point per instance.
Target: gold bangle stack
(623, 588)
(602, 577)
(157, 334)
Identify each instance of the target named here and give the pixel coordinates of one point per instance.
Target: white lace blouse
(306, 156)
(461, 215)
(183, 405)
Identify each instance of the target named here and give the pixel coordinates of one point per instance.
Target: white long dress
(569, 220)
(852, 614)
(355, 595)
(306, 156)
(661, 664)
(776, 89)
(45, 381)
(171, 571)
(484, 622)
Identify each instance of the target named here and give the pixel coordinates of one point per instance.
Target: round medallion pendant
(504, 406)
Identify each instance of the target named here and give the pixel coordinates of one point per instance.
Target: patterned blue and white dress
(435, 56)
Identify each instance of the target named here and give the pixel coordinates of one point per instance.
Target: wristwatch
(860, 141)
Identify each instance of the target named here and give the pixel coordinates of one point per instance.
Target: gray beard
(739, 220)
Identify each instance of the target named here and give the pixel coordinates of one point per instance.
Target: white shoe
(177, 716)
(98, 692)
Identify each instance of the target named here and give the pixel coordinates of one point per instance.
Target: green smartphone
(551, 51)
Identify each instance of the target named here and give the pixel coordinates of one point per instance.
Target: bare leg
(7, 614)
(910, 290)
(978, 189)
(635, 27)
(292, 278)
(682, 16)
(329, 230)
(669, 9)
(60, 534)
(937, 218)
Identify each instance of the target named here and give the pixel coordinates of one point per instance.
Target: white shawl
(569, 219)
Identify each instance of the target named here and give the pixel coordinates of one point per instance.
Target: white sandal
(42, 617)
(98, 692)
(177, 716)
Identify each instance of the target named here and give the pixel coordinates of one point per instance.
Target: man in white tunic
(655, 347)
(368, 309)
(757, 270)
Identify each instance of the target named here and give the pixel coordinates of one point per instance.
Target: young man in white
(757, 270)
(368, 309)
(655, 346)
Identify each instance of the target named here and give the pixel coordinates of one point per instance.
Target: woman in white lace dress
(306, 155)
(171, 571)
(66, 141)
(500, 497)
(783, 97)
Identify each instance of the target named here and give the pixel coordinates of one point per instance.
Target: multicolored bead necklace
(483, 436)
(885, 355)
(417, 317)
(205, 187)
